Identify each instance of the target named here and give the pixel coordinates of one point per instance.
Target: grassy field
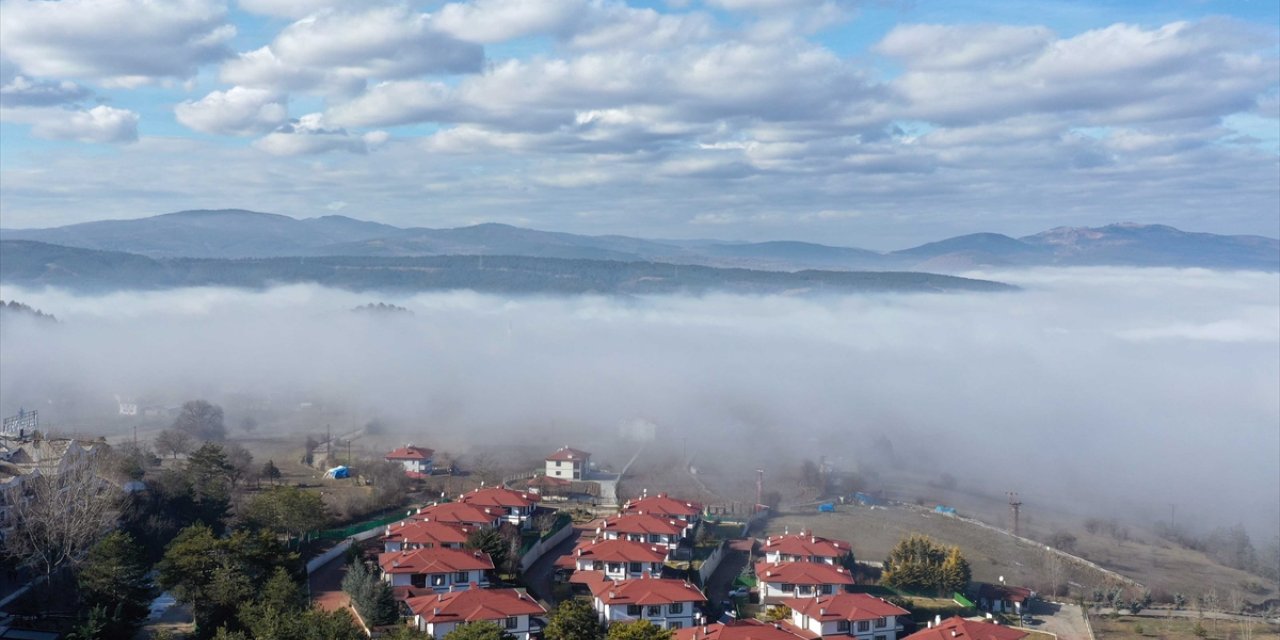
(1180, 629)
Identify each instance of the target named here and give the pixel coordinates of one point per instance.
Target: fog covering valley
(1110, 390)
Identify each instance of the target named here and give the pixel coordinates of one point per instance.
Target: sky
(878, 124)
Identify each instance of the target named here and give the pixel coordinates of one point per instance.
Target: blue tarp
(944, 510)
(827, 507)
(338, 473)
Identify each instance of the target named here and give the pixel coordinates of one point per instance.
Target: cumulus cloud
(310, 135)
(26, 92)
(238, 111)
(581, 23)
(993, 381)
(99, 124)
(125, 42)
(339, 50)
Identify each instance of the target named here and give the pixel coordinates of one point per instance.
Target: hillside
(235, 233)
(37, 264)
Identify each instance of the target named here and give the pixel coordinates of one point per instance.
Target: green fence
(531, 537)
(360, 527)
(963, 601)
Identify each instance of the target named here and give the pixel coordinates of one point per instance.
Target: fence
(712, 561)
(360, 527)
(557, 534)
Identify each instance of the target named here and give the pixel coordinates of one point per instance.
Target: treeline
(1229, 546)
(34, 263)
(13, 306)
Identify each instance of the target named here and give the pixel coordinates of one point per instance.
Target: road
(540, 575)
(1061, 619)
(326, 585)
(721, 581)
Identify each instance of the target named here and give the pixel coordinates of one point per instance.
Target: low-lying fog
(1132, 388)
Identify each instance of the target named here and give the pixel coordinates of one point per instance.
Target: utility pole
(1014, 504)
(759, 490)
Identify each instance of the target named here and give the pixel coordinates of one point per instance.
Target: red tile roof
(1004, 592)
(746, 629)
(474, 605)
(589, 578)
(459, 513)
(548, 482)
(958, 628)
(427, 532)
(647, 591)
(569, 453)
(499, 497)
(845, 606)
(434, 560)
(806, 544)
(662, 504)
(802, 573)
(620, 551)
(410, 452)
(643, 523)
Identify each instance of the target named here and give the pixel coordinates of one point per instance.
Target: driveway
(540, 575)
(731, 566)
(1059, 618)
(326, 585)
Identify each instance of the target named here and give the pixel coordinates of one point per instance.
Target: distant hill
(29, 263)
(235, 233)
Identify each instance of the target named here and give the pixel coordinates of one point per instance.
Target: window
(826, 589)
(788, 587)
(806, 589)
(439, 579)
(676, 607)
(675, 625)
(633, 609)
(882, 623)
(634, 567)
(558, 463)
(461, 576)
(655, 611)
(511, 622)
(615, 567)
(653, 537)
(842, 626)
(882, 637)
(418, 580)
(864, 625)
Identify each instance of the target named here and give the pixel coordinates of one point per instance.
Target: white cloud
(99, 124)
(26, 92)
(237, 111)
(122, 42)
(309, 135)
(582, 23)
(292, 8)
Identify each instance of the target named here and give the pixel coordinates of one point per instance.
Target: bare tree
(61, 513)
(1055, 571)
(174, 442)
(202, 420)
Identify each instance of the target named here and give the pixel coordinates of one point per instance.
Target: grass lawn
(1170, 628)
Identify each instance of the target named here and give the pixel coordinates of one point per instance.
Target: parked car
(740, 592)
(1027, 620)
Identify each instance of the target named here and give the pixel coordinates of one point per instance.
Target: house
(745, 629)
(858, 615)
(669, 604)
(461, 513)
(415, 460)
(619, 559)
(569, 464)
(958, 628)
(23, 461)
(546, 486)
(644, 527)
(806, 547)
(665, 506)
(424, 534)
(441, 613)
(999, 598)
(779, 581)
(438, 568)
(518, 505)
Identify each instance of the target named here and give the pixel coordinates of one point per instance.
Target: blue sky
(873, 124)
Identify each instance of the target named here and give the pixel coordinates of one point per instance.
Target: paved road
(721, 581)
(539, 576)
(1061, 619)
(326, 585)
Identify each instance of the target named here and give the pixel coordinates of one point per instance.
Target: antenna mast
(759, 490)
(1014, 504)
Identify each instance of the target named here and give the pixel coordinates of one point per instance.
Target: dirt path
(326, 585)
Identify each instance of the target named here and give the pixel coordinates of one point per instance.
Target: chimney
(436, 611)
(937, 619)
(439, 597)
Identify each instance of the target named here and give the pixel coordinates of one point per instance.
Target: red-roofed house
(806, 547)
(800, 580)
(415, 460)
(669, 604)
(422, 534)
(665, 506)
(438, 568)
(644, 527)
(461, 513)
(999, 598)
(958, 628)
(745, 629)
(859, 615)
(620, 559)
(519, 505)
(441, 613)
(569, 464)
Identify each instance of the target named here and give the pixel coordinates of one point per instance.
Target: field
(1180, 628)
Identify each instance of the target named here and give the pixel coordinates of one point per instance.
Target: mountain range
(234, 233)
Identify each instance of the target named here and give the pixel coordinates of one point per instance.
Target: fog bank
(1135, 387)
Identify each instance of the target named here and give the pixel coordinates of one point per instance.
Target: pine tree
(573, 620)
(954, 573)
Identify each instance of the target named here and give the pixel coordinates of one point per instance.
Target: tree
(241, 462)
(270, 471)
(482, 630)
(114, 578)
(287, 510)
(174, 442)
(490, 541)
(372, 597)
(405, 632)
(954, 574)
(63, 514)
(917, 563)
(1055, 571)
(573, 620)
(777, 613)
(637, 630)
(201, 420)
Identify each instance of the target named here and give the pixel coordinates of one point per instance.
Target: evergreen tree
(638, 630)
(113, 579)
(573, 620)
(916, 563)
(483, 630)
(954, 574)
